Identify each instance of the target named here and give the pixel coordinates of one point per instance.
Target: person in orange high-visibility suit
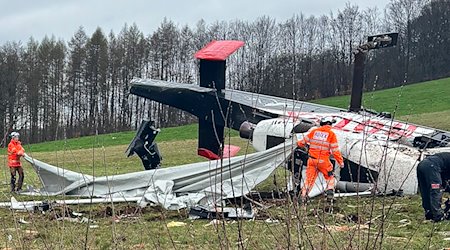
(15, 151)
(322, 143)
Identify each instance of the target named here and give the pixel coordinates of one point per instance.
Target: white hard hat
(15, 134)
(326, 119)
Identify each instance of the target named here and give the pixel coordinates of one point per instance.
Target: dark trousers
(430, 183)
(13, 171)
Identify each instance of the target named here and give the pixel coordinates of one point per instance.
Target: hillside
(425, 103)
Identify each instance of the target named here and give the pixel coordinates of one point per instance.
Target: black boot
(428, 215)
(13, 184)
(330, 195)
(20, 183)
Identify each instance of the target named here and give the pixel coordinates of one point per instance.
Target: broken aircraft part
(202, 212)
(144, 146)
(373, 146)
(377, 149)
(201, 183)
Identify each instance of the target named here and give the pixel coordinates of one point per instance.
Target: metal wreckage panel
(395, 163)
(207, 183)
(276, 105)
(201, 183)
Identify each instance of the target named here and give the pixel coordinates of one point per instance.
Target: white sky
(21, 19)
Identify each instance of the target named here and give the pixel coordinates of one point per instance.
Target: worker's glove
(341, 166)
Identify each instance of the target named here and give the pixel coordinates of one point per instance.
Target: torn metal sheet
(395, 163)
(173, 187)
(365, 193)
(377, 148)
(34, 205)
(201, 212)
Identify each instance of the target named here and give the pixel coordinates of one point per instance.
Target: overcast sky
(21, 19)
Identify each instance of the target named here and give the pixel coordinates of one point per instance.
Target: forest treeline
(53, 89)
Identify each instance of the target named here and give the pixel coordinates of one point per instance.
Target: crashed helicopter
(380, 153)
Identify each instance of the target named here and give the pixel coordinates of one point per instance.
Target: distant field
(426, 103)
(419, 98)
(114, 139)
(180, 133)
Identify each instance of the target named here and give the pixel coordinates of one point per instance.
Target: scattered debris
(213, 222)
(22, 221)
(373, 219)
(404, 222)
(116, 219)
(365, 193)
(269, 220)
(444, 233)
(93, 226)
(76, 220)
(344, 228)
(30, 234)
(241, 242)
(77, 214)
(203, 212)
(396, 238)
(354, 218)
(255, 202)
(176, 224)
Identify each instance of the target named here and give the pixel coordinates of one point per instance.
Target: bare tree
(75, 82)
(346, 34)
(96, 81)
(12, 88)
(398, 16)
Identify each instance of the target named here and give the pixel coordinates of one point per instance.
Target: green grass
(185, 132)
(439, 119)
(310, 228)
(121, 138)
(419, 98)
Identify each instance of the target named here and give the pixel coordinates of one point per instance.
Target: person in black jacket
(433, 174)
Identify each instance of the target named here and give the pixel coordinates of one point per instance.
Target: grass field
(426, 103)
(419, 98)
(357, 222)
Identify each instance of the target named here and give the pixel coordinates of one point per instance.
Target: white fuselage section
(377, 143)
